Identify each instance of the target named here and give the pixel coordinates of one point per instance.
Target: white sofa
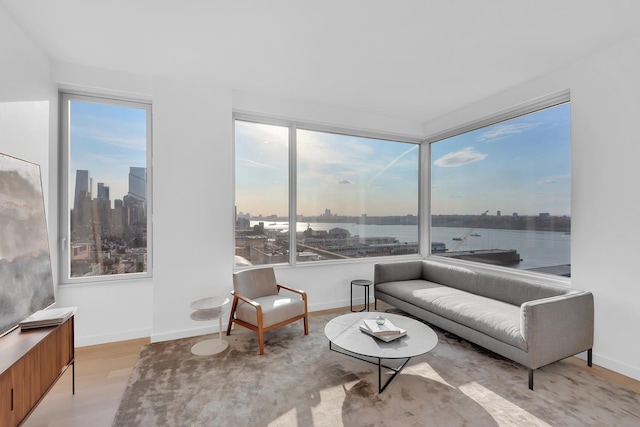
(531, 323)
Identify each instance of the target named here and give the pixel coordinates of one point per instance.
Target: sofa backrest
(489, 284)
(450, 275)
(395, 271)
(515, 291)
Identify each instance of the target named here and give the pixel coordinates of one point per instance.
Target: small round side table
(208, 309)
(365, 283)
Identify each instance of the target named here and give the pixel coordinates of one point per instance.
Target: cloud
(503, 131)
(460, 158)
(392, 162)
(553, 179)
(547, 181)
(252, 163)
(119, 136)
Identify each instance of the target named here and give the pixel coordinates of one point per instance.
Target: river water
(536, 248)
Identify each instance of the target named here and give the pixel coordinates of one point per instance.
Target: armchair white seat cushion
(275, 309)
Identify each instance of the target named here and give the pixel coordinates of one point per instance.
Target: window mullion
(293, 225)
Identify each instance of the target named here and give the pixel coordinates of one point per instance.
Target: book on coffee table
(386, 331)
(385, 338)
(387, 328)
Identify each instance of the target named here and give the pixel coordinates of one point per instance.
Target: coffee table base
(381, 387)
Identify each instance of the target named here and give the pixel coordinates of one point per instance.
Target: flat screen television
(26, 279)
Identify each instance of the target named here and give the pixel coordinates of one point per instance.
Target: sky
(349, 175)
(521, 166)
(517, 166)
(106, 140)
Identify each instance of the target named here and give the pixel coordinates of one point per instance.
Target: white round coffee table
(344, 332)
(209, 308)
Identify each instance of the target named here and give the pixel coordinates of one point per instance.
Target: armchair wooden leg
(261, 340)
(231, 314)
(306, 324)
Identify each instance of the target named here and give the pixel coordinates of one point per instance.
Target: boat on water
(457, 238)
(475, 235)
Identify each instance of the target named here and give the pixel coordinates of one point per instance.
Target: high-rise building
(103, 191)
(82, 189)
(135, 200)
(138, 183)
(81, 214)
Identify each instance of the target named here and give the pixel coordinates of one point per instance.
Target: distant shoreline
(541, 222)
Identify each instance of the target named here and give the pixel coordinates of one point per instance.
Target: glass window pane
(356, 197)
(501, 194)
(262, 193)
(107, 188)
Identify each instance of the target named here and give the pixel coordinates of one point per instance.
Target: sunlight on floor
(497, 405)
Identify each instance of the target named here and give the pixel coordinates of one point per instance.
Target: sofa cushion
(497, 319)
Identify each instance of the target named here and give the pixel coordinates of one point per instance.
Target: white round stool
(208, 309)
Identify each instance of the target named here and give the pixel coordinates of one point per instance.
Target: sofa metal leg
(530, 379)
(590, 357)
(375, 304)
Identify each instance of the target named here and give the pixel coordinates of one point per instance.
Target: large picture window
(501, 193)
(106, 148)
(341, 195)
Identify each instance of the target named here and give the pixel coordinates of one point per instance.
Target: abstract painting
(26, 280)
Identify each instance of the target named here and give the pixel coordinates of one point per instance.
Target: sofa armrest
(557, 327)
(396, 271)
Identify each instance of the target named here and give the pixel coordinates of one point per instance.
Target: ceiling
(413, 59)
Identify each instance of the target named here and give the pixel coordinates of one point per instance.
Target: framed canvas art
(26, 280)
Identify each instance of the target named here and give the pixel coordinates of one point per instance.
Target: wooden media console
(31, 361)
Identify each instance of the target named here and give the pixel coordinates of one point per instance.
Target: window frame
(532, 106)
(65, 98)
(294, 126)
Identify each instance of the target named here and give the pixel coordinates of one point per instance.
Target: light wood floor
(102, 372)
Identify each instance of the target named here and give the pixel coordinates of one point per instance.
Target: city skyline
(106, 140)
(136, 186)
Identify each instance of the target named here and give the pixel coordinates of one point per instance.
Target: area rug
(299, 381)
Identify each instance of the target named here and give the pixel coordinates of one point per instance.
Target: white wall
(324, 115)
(605, 109)
(193, 200)
(28, 110)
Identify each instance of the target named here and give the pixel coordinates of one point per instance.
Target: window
(106, 214)
(501, 193)
(262, 193)
(345, 195)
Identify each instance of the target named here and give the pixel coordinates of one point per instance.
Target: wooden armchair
(258, 305)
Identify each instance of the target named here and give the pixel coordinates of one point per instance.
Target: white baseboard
(187, 333)
(192, 332)
(109, 338)
(616, 366)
